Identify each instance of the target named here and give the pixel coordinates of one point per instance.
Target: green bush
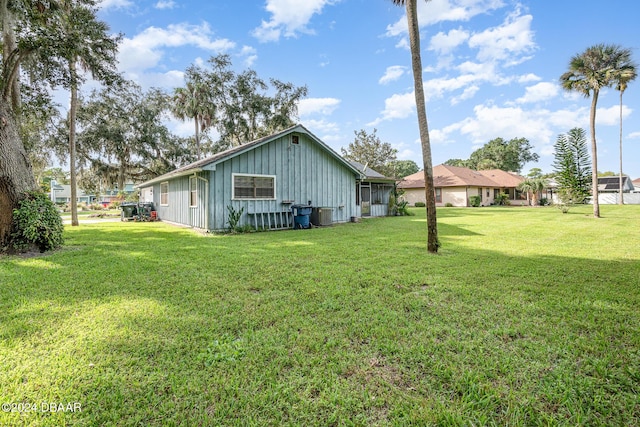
(448, 205)
(475, 201)
(502, 199)
(234, 218)
(420, 204)
(36, 222)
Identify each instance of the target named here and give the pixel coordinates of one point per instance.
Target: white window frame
(167, 193)
(252, 175)
(192, 191)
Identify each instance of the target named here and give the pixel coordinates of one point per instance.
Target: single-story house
(61, 193)
(636, 184)
(611, 184)
(372, 191)
(264, 179)
(455, 185)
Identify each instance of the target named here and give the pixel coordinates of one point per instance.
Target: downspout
(206, 200)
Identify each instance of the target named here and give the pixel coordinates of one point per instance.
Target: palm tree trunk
(621, 199)
(594, 156)
(72, 143)
(416, 63)
(195, 118)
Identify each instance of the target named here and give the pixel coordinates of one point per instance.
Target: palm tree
(533, 186)
(625, 72)
(416, 63)
(191, 102)
(589, 72)
(87, 44)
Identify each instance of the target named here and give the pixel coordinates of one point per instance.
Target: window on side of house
(254, 186)
(193, 192)
(164, 194)
(438, 195)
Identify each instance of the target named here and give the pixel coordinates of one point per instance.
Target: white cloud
(115, 4)
(436, 11)
(507, 122)
(288, 18)
(468, 93)
(250, 55)
(322, 126)
(168, 80)
(634, 135)
(165, 4)
(324, 106)
(507, 42)
(611, 116)
(539, 92)
(145, 50)
(445, 43)
(528, 78)
(393, 73)
(398, 106)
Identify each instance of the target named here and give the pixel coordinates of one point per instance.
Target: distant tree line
(499, 153)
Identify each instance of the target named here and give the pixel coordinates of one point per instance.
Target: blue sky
(491, 67)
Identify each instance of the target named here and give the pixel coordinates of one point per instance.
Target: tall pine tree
(572, 163)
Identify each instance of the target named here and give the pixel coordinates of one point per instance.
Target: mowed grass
(526, 317)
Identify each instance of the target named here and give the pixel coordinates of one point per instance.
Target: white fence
(612, 198)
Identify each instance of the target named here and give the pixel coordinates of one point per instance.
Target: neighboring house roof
(505, 179)
(454, 176)
(211, 161)
(636, 182)
(612, 183)
(369, 173)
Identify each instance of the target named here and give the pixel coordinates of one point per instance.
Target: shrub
(448, 205)
(475, 201)
(544, 202)
(234, 218)
(36, 222)
(502, 199)
(420, 204)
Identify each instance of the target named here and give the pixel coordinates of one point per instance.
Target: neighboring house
(263, 179)
(61, 193)
(611, 184)
(111, 195)
(609, 191)
(455, 185)
(372, 191)
(636, 184)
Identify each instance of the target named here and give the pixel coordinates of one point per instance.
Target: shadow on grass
(343, 323)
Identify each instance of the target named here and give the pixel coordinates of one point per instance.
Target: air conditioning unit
(321, 216)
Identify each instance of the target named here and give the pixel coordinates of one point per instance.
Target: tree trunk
(195, 118)
(416, 63)
(16, 176)
(621, 200)
(594, 156)
(72, 144)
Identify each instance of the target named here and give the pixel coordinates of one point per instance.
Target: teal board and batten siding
(178, 208)
(303, 172)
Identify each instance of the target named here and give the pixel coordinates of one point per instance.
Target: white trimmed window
(164, 194)
(193, 192)
(254, 186)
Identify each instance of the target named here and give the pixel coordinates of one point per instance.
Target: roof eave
(168, 176)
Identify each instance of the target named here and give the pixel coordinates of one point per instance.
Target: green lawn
(526, 317)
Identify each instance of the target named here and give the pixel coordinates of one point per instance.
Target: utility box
(322, 216)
